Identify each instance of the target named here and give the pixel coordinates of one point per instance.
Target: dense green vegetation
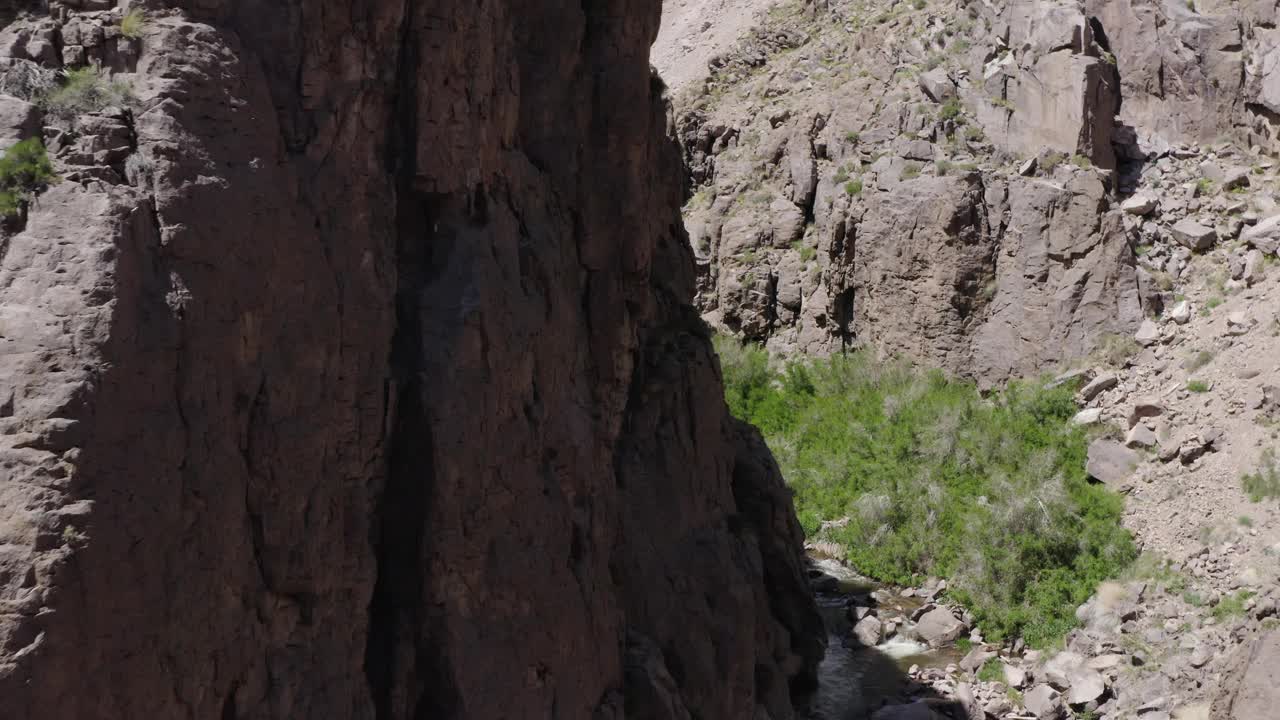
(934, 479)
(25, 171)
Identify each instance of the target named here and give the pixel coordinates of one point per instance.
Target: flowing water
(854, 681)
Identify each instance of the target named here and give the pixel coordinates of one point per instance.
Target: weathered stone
(939, 627)
(1139, 205)
(1014, 675)
(1264, 236)
(1193, 235)
(1103, 382)
(1044, 702)
(1088, 416)
(869, 631)
(1110, 462)
(937, 85)
(1148, 333)
(1140, 436)
(1085, 686)
(1181, 313)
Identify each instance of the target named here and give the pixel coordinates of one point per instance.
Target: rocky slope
(331, 384)
(942, 179)
(1000, 189)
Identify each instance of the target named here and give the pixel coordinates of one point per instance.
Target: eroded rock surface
(333, 385)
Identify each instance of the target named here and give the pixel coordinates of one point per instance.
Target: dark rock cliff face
(351, 374)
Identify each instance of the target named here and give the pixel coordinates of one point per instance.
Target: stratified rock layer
(360, 382)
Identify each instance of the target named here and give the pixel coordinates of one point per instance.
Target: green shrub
(992, 671)
(1052, 160)
(1204, 186)
(1231, 606)
(133, 23)
(1081, 161)
(950, 110)
(1197, 386)
(937, 480)
(943, 167)
(84, 90)
(973, 133)
(1263, 483)
(854, 186)
(919, 4)
(25, 171)
(852, 136)
(841, 175)
(910, 171)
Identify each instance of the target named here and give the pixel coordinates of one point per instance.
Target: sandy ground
(694, 31)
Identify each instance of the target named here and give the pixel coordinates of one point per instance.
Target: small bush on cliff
(133, 23)
(84, 90)
(25, 171)
(935, 479)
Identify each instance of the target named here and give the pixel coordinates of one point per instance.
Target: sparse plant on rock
(1263, 483)
(910, 171)
(84, 90)
(853, 187)
(133, 23)
(25, 171)
(1197, 386)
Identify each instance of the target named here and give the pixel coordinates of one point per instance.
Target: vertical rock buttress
(378, 393)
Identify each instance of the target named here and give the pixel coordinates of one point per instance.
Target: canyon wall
(349, 371)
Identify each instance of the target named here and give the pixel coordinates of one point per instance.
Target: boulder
(1088, 416)
(1014, 676)
(1253, 267)
(1181, 313)
(1139, 205)
(939, 627)
(937, 85)
(1264, 236)
(1059, 669)
(1099, 384)
(1044, 702)
(1086, 686)
(975, 659)
(1141, 436)
(1110, 462)
(869, 631)
(1192, 234)
(1148, 333)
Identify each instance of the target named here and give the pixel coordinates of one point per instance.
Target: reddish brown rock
(364, 385)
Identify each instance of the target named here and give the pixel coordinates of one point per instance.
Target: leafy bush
(1197, 386)
(950, 110)
(1263, 483)
(935, 480)
(133, 22)
(1231, 606)
(1081, 161)
(84, 90)
(25, 171)
(854, 186)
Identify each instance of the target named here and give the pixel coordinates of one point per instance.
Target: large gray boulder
(1192, 234)
(1044, 702)
(1110, 462)
(939, 627)
(1264, 236)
